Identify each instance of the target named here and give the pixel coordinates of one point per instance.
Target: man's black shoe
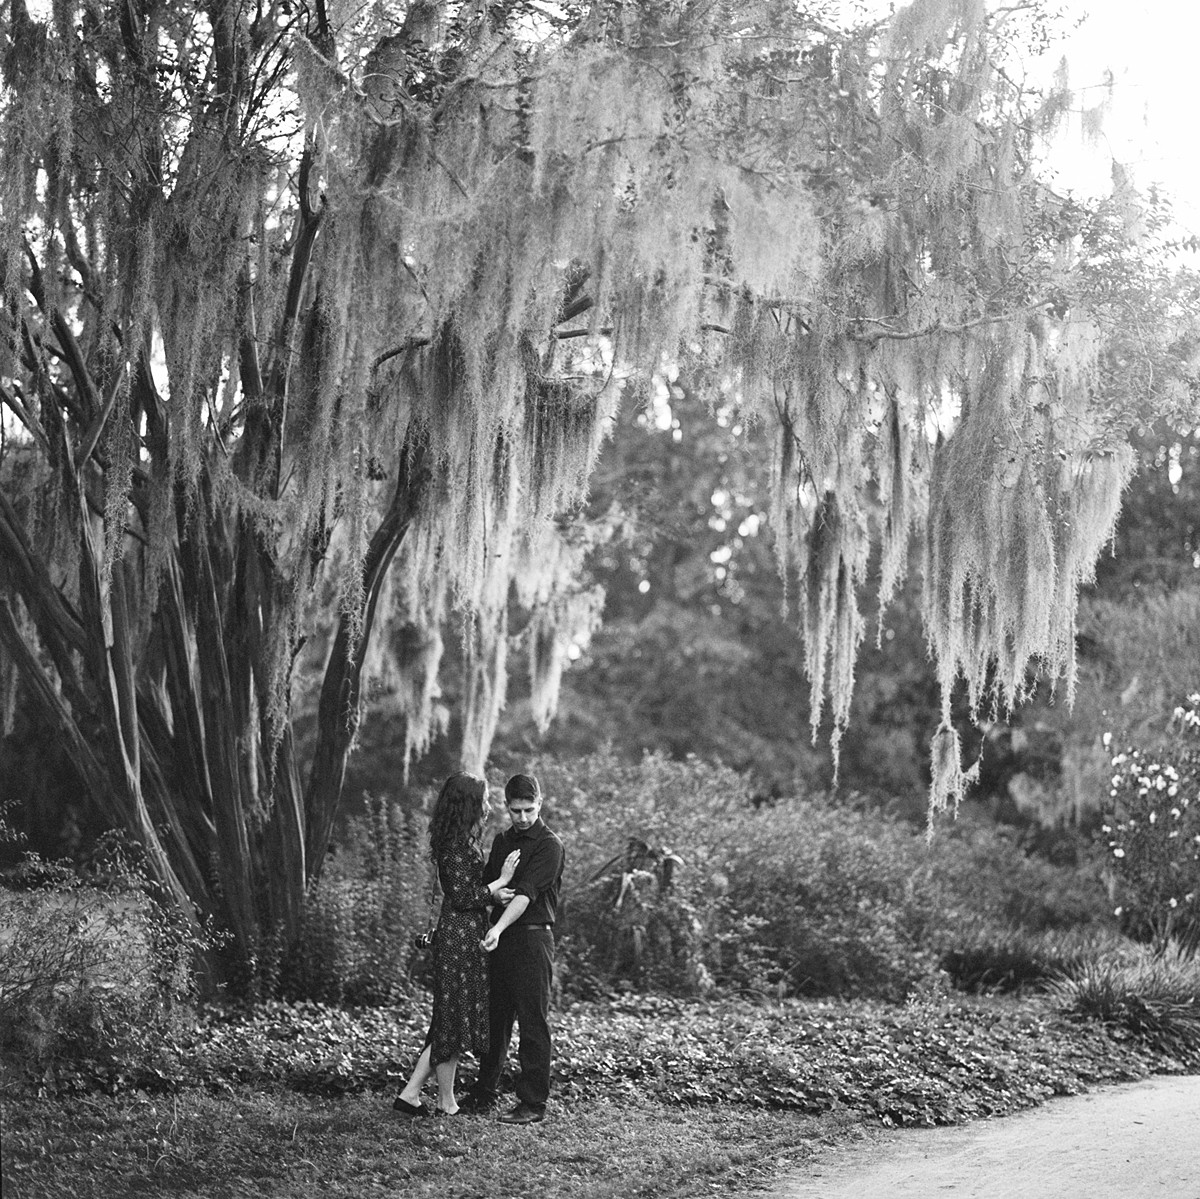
(523, 1113)
(474, 1102)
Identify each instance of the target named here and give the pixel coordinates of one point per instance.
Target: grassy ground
(653, 1098)
(304, 1147)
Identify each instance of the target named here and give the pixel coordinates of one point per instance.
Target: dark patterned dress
(460, 967)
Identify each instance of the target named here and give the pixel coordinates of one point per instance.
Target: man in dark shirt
(521, 944)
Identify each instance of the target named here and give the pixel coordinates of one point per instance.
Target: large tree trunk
(170, 733)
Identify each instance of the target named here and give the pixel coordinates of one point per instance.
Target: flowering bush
(1152, 832)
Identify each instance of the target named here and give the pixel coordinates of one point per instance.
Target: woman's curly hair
(459, 813)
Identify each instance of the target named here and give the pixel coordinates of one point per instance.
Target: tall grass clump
(984, 956)
(92, 968)
(372, 897)
(1155, 996)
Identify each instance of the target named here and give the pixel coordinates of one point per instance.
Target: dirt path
(1131, 1141)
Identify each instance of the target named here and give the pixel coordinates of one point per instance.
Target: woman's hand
(501, 891)
(492, 939)
(509, 868)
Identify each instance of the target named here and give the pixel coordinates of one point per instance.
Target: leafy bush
(1152, 831)
(371, 898)
(984, 872)
(645, 901)
(92, 969)
(677, 880)
(845, 895)
(1155, 996)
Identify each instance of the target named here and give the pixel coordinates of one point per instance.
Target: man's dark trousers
(520, 970)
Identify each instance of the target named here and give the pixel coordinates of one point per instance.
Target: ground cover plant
(654, 1096)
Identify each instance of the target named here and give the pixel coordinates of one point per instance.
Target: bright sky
(1152, 125)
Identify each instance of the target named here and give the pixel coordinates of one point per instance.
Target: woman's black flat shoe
(409, 1109)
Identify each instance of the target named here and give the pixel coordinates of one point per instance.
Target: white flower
(1117, 911)
(1173, 790)
(1104, 828)
(1153, 817)
(1173, 902)
(1175, 813)
(1120, 853)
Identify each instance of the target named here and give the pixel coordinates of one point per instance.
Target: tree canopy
(315, 318)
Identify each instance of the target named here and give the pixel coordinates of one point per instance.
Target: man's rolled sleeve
(543, 868)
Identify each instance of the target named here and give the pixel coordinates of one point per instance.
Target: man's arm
(514, 911)
(539, 873)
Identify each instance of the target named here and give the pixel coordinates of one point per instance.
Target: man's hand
(510, 915)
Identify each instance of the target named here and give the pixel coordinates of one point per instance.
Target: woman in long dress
(460, 971)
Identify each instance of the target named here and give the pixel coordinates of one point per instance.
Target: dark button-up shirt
(539, 873)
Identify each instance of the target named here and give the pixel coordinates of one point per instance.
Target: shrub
(644, 893)
(677, 880)
(1154, 995)
(1152, 834)
(92, 969)
(372, 897)
(986, 872)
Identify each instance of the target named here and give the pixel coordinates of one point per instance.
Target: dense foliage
(91, 967)
(680, 876)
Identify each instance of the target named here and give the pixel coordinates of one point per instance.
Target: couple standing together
(493, 949)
